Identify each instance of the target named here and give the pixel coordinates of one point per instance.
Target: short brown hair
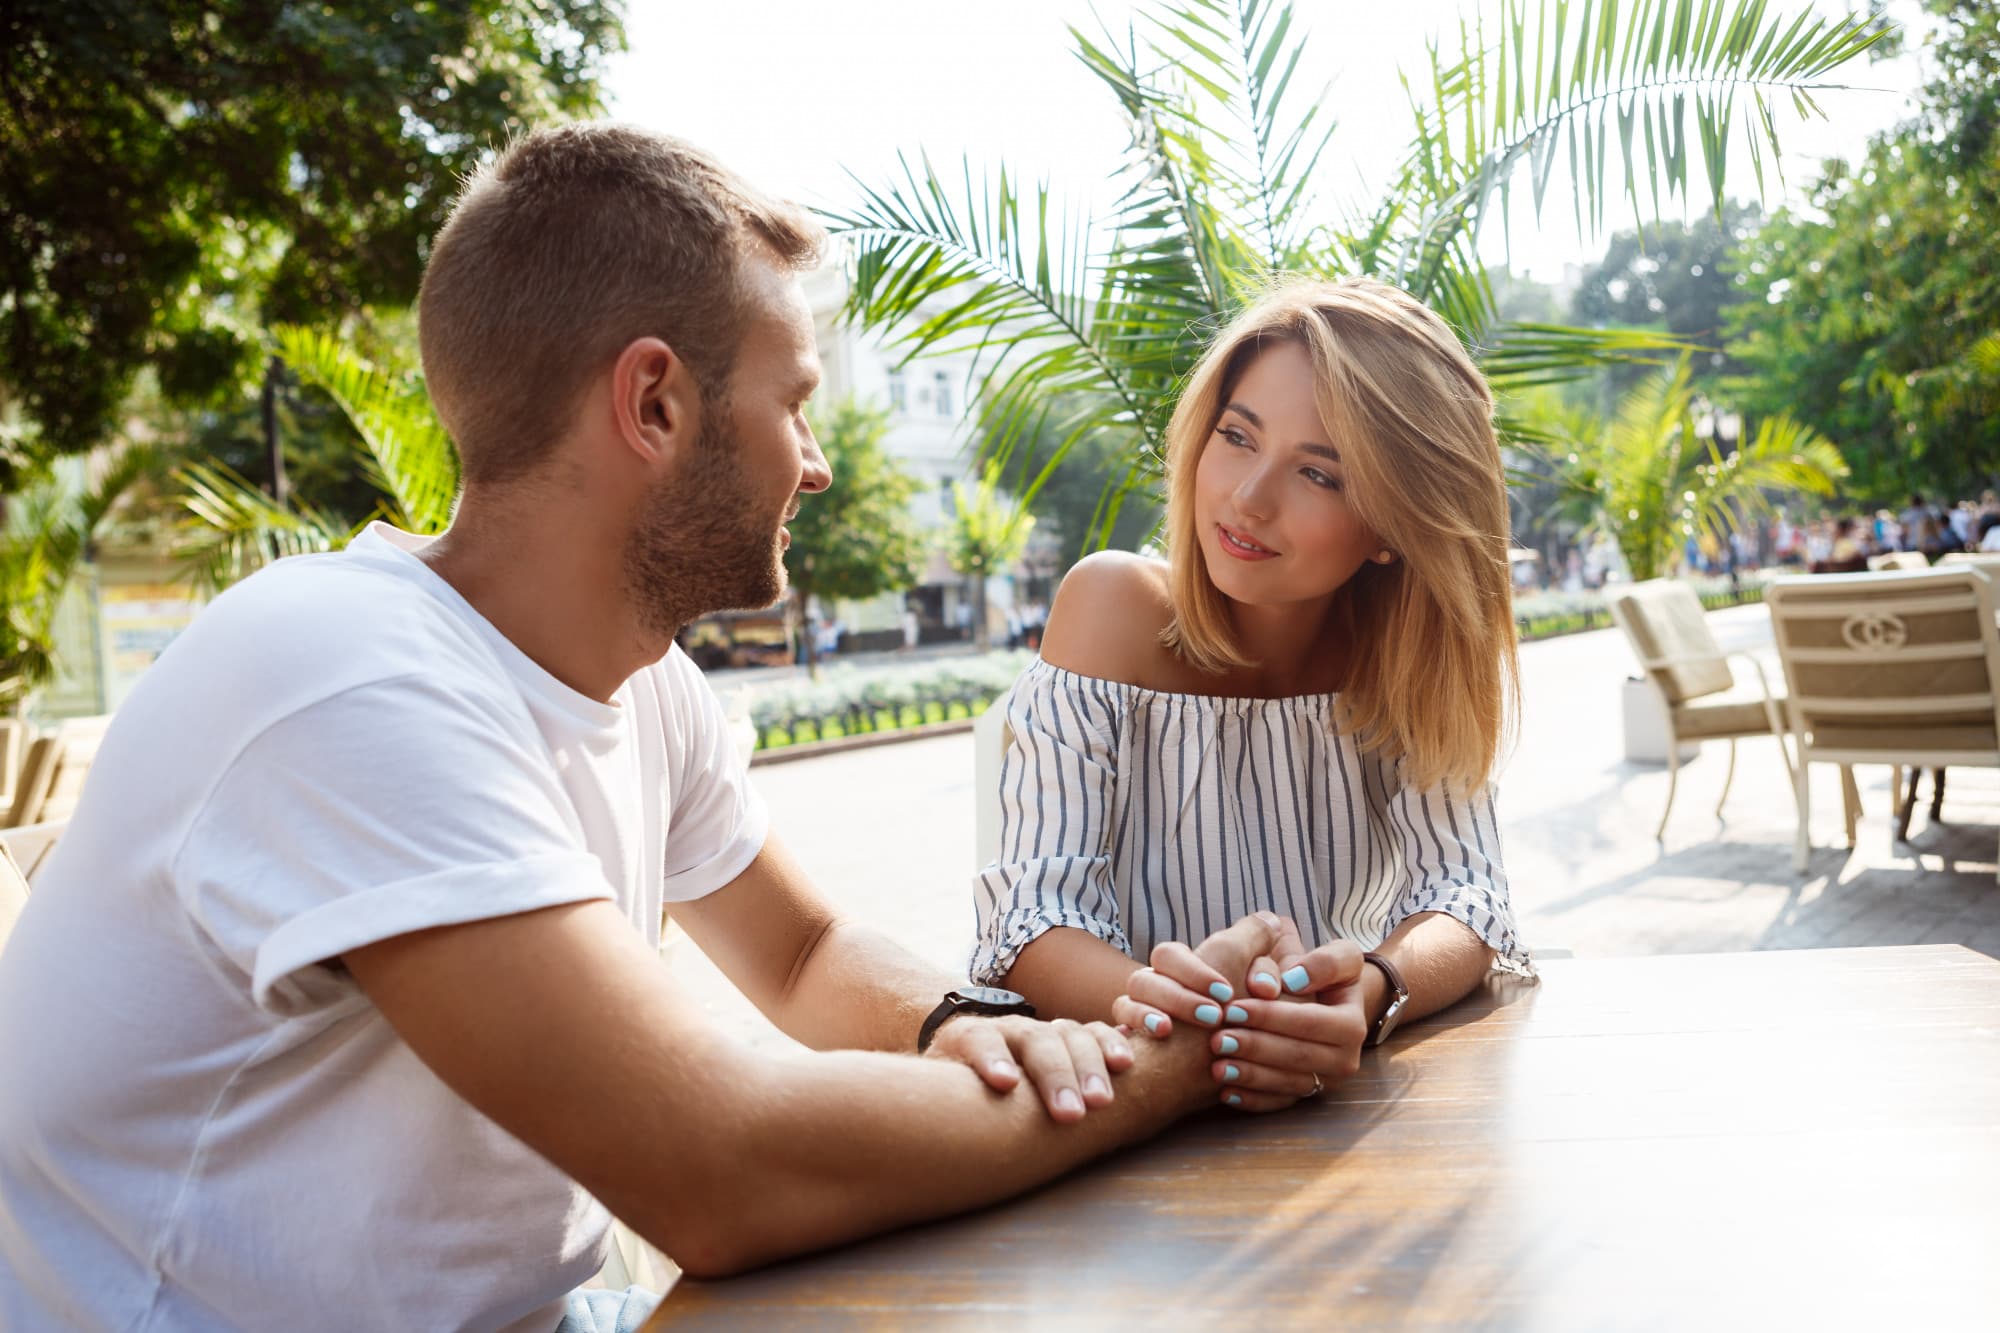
(1434, 679)
(572, 243)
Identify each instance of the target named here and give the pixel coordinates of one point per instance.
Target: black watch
(971, 1000)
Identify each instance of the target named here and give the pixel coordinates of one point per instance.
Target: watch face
(992, 995)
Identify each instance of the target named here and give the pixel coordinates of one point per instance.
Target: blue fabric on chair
(602, 1311)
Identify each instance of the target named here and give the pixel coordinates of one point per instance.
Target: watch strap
(954, 1004)
(1399, 995)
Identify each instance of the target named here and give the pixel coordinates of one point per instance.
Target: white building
(930, 434)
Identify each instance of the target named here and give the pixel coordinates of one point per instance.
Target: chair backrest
(991, 735)
(13, 896)
(1669, 632)
(1900, 668)
(78, 739)
(14, 736)
(1899, 560)
(31, 787)
(30, 844)
(1986, 560)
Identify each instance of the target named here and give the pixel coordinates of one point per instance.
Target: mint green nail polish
(1267, 979)
(1208, 1014)
(1237, 1014)
(1221, 992)
(1295, 979)
(1154, 1023)
(1233, 1099)
(1228, 1046)
(1230, 1073)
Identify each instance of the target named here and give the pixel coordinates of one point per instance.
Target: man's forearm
(826, 1148)
(1440, 958)
(856, 989)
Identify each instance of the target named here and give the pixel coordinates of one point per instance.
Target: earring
(1384, 557)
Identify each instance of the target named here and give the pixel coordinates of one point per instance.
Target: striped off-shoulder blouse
(1143, 816)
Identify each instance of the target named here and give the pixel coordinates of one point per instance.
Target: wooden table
(1782, 1140)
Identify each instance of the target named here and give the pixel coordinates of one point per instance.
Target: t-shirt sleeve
(393, 807)
(718, 822)
(1054, 867)
(1451, 855)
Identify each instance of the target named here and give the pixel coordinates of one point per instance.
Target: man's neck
(556, 595)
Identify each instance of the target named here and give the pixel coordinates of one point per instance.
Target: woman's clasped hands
(1283, 1021)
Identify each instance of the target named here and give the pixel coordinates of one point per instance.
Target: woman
(1297, 714)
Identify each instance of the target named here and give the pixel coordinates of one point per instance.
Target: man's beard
(703, 543)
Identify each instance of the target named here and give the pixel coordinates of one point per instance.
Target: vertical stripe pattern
(1142, 816)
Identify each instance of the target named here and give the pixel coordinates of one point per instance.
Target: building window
(899, 391)
(943, 383)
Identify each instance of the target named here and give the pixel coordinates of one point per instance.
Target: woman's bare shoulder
(1107, 618)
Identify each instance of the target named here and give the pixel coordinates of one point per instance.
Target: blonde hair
(571, 244)
(1433, 680)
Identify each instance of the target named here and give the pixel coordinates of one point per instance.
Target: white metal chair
(991, 735)
(1895, 668)
(1664, 622)
(13, 896)
(52, 776)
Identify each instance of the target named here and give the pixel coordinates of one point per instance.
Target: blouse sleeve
(1056, 783)
(1451, 856)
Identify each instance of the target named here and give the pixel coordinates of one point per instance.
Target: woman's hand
(1293, 1021)
(1202, 986)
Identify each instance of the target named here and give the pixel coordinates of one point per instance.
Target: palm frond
(409, 456)
(1583, 78)
(232, 528)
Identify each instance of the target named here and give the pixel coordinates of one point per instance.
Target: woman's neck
(1287, 647)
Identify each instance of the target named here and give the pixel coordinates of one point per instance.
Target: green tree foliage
(399, 447)
(1648, 480)
(988, 533)
(1880, 324)
(175, 175)
(1673, 277)
(1070, 499)
(1219, 195)
(47, 533)
(858, 538)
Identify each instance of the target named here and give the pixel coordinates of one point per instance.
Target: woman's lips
(1240, 546)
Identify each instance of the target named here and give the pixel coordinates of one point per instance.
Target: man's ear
(654, 401)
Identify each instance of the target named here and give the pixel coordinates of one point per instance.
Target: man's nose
(818, 474)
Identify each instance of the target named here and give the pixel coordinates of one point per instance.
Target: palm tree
(988, 533)
(1218, 198)
(234, 527)
(1650, 482)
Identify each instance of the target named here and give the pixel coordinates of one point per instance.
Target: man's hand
(1069, 1063)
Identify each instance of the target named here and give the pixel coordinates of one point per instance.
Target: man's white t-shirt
(204, 1124)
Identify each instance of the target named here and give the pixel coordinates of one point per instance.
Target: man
(340, 1005)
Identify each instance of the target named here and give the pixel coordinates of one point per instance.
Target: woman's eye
(1235, 437)
(1318, 478)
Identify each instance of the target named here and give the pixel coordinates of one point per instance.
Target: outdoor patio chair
(1897, 668)
(1986, 560)
(52, 777)
(30, 845)
(1899, 560)
(1664, 622)
(14, 737)
(13, 896)
(991, 735)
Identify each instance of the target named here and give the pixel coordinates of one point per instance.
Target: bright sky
(794, 93)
